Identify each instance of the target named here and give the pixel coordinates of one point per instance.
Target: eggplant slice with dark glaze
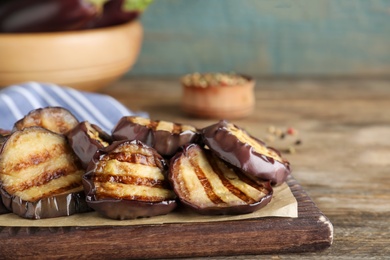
(127, 180)
(253, 156)
(210, 186)
(85, 139)
(40, 175)
(166, 137)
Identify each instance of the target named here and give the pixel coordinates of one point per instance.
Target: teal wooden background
(266, 37)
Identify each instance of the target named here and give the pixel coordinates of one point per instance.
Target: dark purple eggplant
(114, 13)
(166, 137)
(3, 208)
(25, 16)
(51, 207)
(127, 180)
(45, 15)
(239, 148)
(85, 139)
(209, 185)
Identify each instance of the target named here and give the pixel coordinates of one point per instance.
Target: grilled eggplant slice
(210, 186)
(166, 137)
(127, 180)
(40, 175)
(85, 139)
(56, 119)
(236, 146)
(239, 148)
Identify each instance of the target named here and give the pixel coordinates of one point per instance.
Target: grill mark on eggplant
(205, 182)
(153, 125)
(135, 158)
(177, 128)
(107, 195)
(60, 190)
(40, 180)
(135, 180)
(36, 159)
(176, 173)
(232, 189)
(252, 183)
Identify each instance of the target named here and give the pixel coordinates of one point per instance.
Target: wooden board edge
(311, 231)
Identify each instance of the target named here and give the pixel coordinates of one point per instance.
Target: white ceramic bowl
(85, 60)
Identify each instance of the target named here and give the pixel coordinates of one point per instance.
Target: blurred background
(266, 38)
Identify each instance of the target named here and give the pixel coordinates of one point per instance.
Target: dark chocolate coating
(227, 210)
(165, 142)
(83, 145)
(255, 165)
(51, 207)
(122, 209)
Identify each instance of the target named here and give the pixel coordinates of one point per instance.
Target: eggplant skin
(3, 208)
(267, 164)
(85, 139)
(113, 194)
(50, 207)
(45, 15)
(113, 14)
(166, 137)
(209, 186)
(3, 138)
(40, 175)
(120, 209)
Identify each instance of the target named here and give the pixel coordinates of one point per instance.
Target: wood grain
(311, 231)
(343, 162)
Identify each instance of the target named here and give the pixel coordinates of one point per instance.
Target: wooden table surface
(342, 163)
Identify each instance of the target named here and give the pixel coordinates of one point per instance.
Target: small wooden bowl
(219, 101)
(85, 60)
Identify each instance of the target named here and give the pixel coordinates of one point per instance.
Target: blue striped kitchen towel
(103, 110)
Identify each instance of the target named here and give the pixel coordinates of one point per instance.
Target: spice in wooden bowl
(218, 95)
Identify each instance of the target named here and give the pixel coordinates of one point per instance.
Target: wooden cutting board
(311, 231)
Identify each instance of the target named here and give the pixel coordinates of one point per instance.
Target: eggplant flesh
(127, 180)
(40, 175)
(210, 186)
(56, 119)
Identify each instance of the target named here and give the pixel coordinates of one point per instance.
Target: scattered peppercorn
(276, 134)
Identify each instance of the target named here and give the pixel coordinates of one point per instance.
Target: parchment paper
(283, 204)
